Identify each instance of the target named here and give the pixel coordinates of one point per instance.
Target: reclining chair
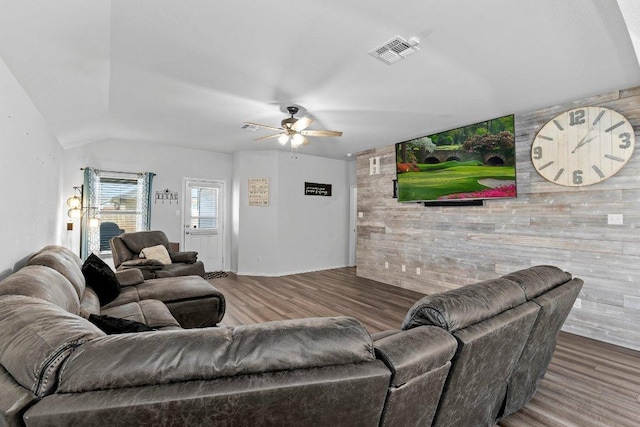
(127, 251)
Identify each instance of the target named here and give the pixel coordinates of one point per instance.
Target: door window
(204, 208)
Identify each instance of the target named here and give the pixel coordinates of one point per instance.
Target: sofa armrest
(147, 264)
(147, 358)
(188, 257)
(412, 353)
(129, 277)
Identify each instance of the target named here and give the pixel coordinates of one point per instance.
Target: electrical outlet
(615, 219)
(418, 271)
(360, 214)
(404, 268)
(386, 265)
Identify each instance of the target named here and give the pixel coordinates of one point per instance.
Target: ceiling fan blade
(269, 136)
(302, 123)
(321, 133)
(263, 126)
(305, 141)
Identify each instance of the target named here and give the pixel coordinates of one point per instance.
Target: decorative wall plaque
(166, 195)
(258, 191)
(316, 189)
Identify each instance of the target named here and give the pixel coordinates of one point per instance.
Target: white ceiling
(189, 72)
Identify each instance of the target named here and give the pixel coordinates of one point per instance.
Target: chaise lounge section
(186, 302)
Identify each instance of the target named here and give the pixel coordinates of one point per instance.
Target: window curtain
(92, 205)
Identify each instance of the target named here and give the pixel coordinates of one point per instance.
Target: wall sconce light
(75, 203)
(77, 211)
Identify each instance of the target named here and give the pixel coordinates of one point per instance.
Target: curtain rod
(128, 173)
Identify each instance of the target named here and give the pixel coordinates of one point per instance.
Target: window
(121, 202)
(204, 208)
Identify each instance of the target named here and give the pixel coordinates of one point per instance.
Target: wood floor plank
(588, 383)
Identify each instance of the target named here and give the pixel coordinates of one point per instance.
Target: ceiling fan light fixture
(292, 130)
(283, 139)
(297, 140)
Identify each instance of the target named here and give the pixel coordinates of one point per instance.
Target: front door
(204, 221)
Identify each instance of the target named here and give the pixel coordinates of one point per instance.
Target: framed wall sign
(258, 191)
(316, 189)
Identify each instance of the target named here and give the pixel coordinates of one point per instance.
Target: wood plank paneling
(588, 383)
(546, 224)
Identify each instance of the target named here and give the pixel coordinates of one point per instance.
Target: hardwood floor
(588, 383)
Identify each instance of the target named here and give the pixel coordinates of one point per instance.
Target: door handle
(186, 232)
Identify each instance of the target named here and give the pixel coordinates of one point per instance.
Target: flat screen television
(469, 163)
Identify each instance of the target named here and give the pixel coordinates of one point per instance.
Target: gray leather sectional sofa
(466, 357)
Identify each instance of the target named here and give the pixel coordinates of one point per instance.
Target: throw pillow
(101, 278)
(158, 252)
(115, 325)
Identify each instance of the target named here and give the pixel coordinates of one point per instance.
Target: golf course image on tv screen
(473, 162)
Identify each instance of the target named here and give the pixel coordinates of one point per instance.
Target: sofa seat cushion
(152, 313)
(127, 295)
(37, 337)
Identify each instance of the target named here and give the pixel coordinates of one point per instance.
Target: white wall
(257, 226)
(313, 231)
(31, 173)
(295, 233)
(170, 164)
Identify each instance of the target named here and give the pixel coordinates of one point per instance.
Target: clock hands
(583, 141)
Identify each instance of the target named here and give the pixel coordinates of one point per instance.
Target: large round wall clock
(583, 146)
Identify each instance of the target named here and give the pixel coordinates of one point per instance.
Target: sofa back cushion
(139, 240)
(199, 354)
(487, 354)
(536, 280)
(465, 306)
(64, 261)
(36, 337)
(555, 306)
(42, 282)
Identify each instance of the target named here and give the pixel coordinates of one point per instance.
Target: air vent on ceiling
(249, 126)
(395, 49)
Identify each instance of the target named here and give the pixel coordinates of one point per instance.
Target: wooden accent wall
(546, 224)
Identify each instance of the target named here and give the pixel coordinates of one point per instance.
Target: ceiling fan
(294, 130)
